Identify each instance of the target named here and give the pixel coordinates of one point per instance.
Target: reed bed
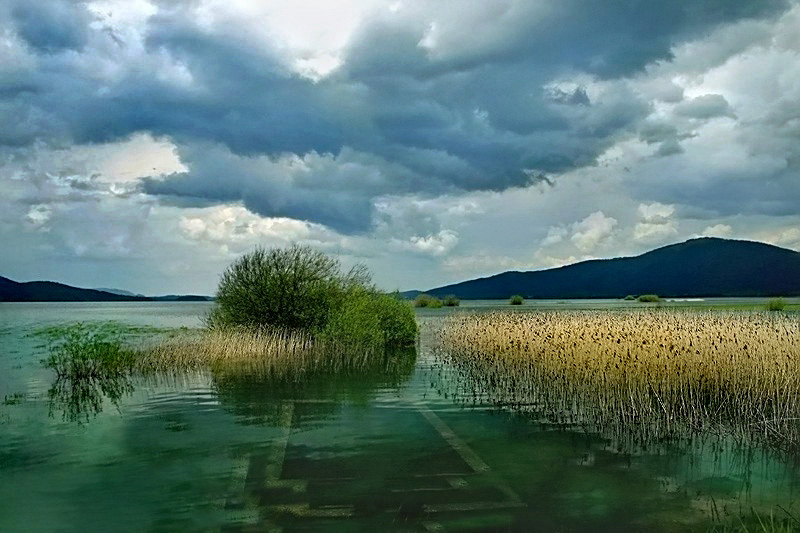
(650, 374)
(266, 351)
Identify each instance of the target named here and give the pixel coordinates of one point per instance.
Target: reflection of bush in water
(259, 396)
(90, 365)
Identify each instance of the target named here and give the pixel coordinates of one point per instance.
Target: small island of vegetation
(284, 312)
(426, 300)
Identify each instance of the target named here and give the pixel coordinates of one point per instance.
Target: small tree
(516, 300)
(293, 288)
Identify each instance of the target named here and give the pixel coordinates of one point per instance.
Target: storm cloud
(410, 109)
(432, 102)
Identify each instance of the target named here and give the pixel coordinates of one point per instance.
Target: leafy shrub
(299, 288)
(630, 297)
(426, 300)
(451, 300)
(776, 304)
(372, 320)
(516, 300)
(649, 298)
(292, 288)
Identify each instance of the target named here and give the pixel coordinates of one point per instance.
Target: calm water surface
(378, 452)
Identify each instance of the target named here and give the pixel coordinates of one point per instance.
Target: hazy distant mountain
(118, 291)
(50, 291)
(698, 267)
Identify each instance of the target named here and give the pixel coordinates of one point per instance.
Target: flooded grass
(644, 375)
(95, 362)
(263, 351)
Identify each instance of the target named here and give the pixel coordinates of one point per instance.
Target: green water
(380, 451)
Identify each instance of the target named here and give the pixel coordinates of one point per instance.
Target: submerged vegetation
(267, 352)
(90, 364)
(648, 375)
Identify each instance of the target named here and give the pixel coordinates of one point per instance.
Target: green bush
(630, 297)
(293, 288)
(426, 300)
(776, 304)
(451, 300)
(516, 300)
(373, 320)
(649, 298)
(299, 288)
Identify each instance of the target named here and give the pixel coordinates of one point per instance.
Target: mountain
(117, 291)
(698, 267)
(50, 291)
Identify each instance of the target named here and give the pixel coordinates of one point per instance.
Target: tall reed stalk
(649, 374)
(267, 351)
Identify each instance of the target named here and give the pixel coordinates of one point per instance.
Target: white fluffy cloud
(592, 231)
(656, 223)
(717, 230)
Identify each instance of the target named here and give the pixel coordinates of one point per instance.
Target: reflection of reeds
(263, 351)
(651, 373)
(91, 363)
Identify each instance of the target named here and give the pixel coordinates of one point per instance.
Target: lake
(374, 452)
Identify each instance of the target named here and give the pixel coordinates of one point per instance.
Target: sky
(146, 144)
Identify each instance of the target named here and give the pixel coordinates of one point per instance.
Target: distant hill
(50, 291)
(118, 291)
(698, 267)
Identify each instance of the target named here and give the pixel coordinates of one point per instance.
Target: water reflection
(90, 371)
(256, 398)
(80, 398)
(90, 365)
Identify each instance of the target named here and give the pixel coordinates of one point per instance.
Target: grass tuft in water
(90, 364)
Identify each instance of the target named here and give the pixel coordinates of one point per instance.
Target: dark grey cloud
(399, 117)
(51, 25)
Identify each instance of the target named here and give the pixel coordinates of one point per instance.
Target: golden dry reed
(266, 351)
(647, 375)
